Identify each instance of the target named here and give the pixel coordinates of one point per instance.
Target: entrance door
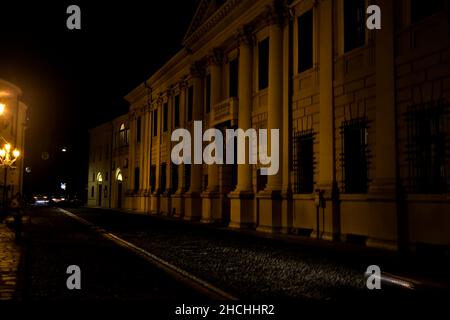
(119, 195)
(100, 195)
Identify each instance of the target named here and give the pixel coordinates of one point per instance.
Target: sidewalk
(10, 254)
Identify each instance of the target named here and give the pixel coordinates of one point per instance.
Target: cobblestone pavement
(54, 241)
(253, 267)
(10, 254)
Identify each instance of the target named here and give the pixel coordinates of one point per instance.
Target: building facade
(13, 123)
(363, 117)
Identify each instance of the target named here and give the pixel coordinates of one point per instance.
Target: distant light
(28, 169)
(63, 186)
(16, 153)
(2, 108)
(64, 149)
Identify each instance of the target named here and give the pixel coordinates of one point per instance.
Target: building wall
(13, 124)
(366, 89)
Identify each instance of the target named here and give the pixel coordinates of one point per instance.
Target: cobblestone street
(242, 264)
(10, 254)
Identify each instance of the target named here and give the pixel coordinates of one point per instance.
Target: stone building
(363, 118)
(13, 123)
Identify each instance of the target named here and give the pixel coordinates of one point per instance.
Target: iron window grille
(354, 155)
(303, 161)
(427, 147)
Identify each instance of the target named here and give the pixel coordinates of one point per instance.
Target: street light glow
(6, 158)
(2, 108)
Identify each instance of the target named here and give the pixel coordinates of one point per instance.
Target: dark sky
(73, 80)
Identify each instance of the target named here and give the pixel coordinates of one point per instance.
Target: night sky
(73, 80)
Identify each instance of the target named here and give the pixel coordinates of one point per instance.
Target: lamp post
(7, 160)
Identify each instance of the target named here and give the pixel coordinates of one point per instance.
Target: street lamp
(7, 159)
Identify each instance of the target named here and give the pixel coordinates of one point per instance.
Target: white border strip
(157, 261)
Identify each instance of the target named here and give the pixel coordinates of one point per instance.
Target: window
(427, 137)
(165, 116)
(261, 180)
(174, 177)
(354, 156)
(123, 136)
(421, 9)
(233, 80)
(187, 176)
(263, 64)
(138, 129)
(106, 176)
(163, 177)
(303, 162)
(136, 179)
(208, 93)
(190, 103)
(354, 24)
(155, 123)
(92, 192)
(305, 41)
(152, 177)
(176, 111)
(93, 176)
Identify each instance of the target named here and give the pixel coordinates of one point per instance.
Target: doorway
(100, 195)
(119, 195)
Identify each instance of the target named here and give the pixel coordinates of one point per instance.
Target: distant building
(13, 122)
(363, 116)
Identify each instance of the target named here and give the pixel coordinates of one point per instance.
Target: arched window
(123, 135)
(99, 177)
(119, 177)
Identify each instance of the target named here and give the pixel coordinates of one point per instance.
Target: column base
(192, 206)
(269, 211)
(166, 204)
(178, 204)
(242, 209)
(155, 203)
(211, 207)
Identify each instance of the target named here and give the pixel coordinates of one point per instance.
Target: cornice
(212, 21)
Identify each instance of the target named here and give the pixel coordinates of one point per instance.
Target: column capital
(197, 70)
(276, 13)
(244, 35)
(182, 83)
(215, 56)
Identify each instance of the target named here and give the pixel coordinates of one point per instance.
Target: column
(212, 204)
(166, 203)
(286, 134)
(382, 190)
(146, 171)
(326, 126)
(178, 203)
(193, 201)
(269, 200)
(155, 197)
(242, 199)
